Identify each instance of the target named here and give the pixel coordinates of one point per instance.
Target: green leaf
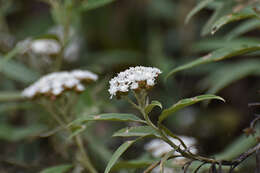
(211, 44)
(245, 13)
(243, 28)
(108, 117)
(9, 56)
(5, 107)
(136, 131)
(222, 9)
(93, 4)
(11, 133)
(118, 153)
(98, 146)
(19, 72)
(184, 103)
(241, 144)
(220, 54)
(230, 73)
(202, 4)
(150, 107)
(10, 96)
(142, 163)
(57, 169)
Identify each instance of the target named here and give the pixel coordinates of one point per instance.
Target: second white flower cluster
(55, 83)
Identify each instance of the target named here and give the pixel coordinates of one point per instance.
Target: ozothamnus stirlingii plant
(138, 81)
(58, 93)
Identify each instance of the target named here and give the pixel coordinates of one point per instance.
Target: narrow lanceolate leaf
(230, 73)
(142, 163)
(246, 13)
(243, 28)
(108, 117)
(10, 96)
(220, 54)
(202, 4)
(19, 72)
(224, 8)
(140, 131)
(5, 107)
(93, 4)
(117, 154)
(12, 134)
(57, 169)
(150, 107)
(184, 103)
(9, 56)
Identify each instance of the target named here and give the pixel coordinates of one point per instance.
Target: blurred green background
(112, 38)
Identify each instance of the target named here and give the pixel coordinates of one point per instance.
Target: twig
(151, 167)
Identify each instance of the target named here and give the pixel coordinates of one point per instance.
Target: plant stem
(85, 159)
(167, 140)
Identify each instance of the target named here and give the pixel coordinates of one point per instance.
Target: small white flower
(133, 78)
(45, 46)
(56, 83)
(158, 147)
(82, 75)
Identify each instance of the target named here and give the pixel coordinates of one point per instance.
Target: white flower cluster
(133, 78)
(45, 46)
(158, 147)
(40, 46)
(55, 83)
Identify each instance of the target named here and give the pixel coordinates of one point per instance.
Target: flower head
(158, 147)
(45, 46)
(133, 78)
(56, 83)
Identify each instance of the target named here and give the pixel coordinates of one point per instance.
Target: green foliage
(202, 4)
(19, 72)
(229, 73)
(243, 14)
(117, 154)
(140, 163)
(10, 96)
(243, 28)
(108, 117)
(93, 4)
(218, 55)
(220, 9)
(58, 169)
(139, 131)
(184, 103)
(11, 133)
(150, 107)
(241, 144)
(127, 33)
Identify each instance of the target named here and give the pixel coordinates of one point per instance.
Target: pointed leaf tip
(186, 102)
